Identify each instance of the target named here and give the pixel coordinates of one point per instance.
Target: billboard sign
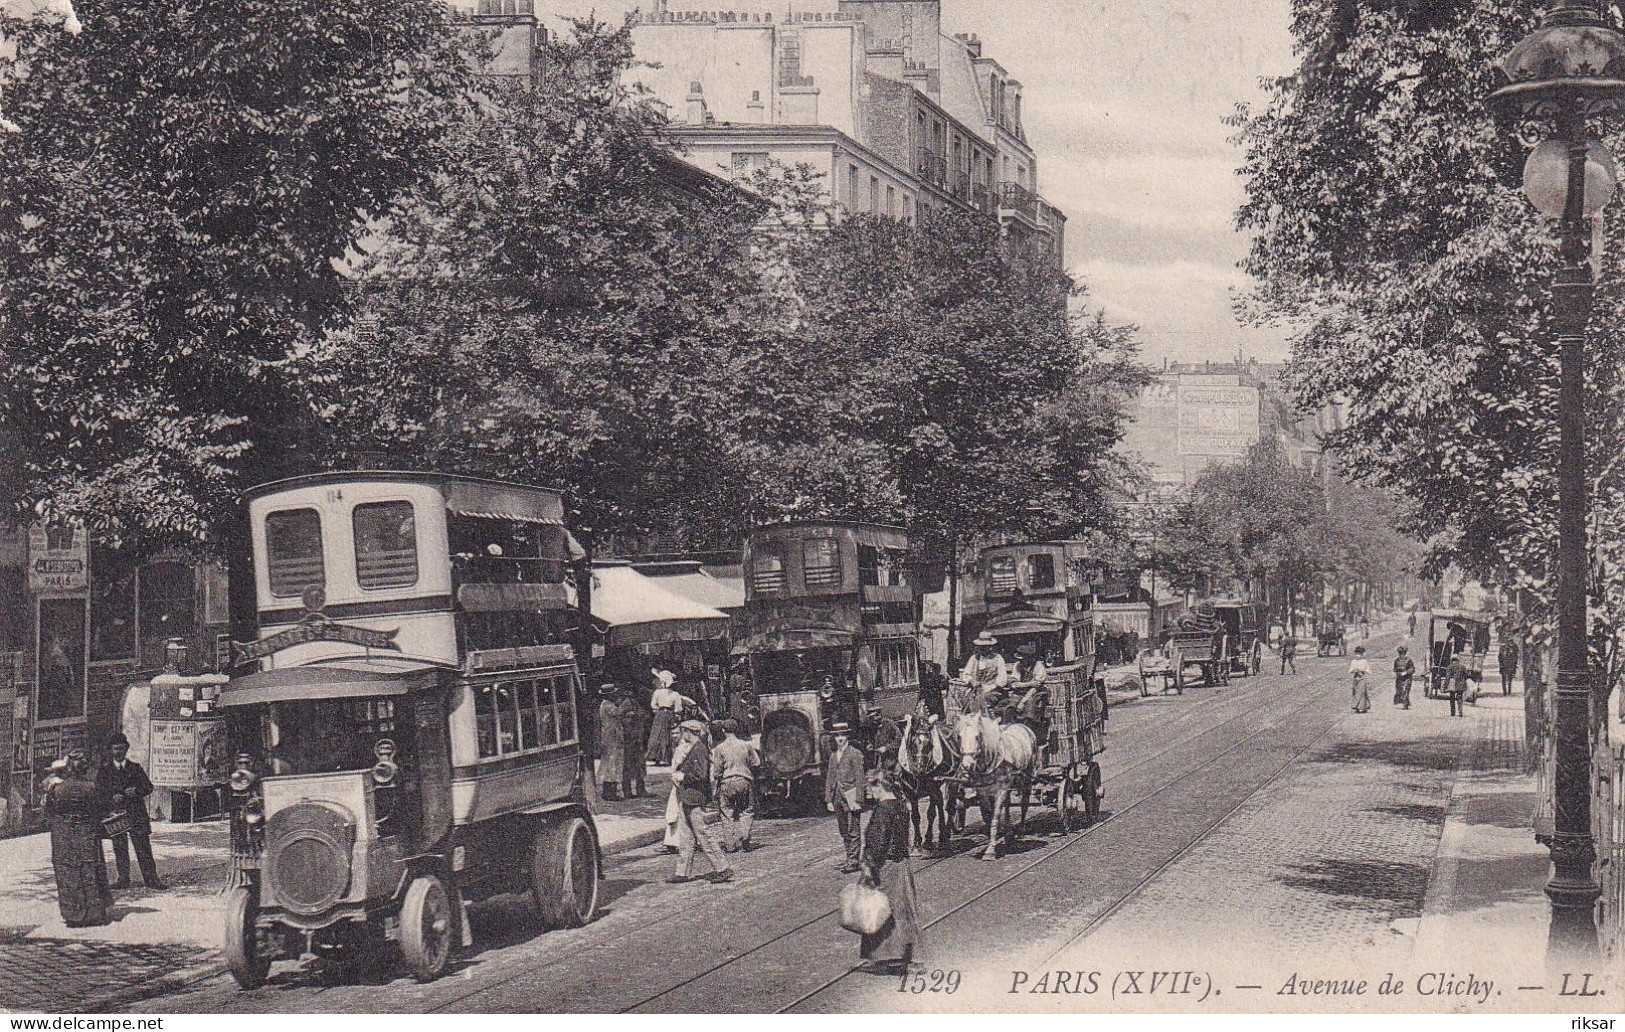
(58, 558)
(1217, 420)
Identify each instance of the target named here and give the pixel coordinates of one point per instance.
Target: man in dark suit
(123, 785)
(844, 790)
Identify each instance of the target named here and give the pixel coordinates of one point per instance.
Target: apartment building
(896, 116)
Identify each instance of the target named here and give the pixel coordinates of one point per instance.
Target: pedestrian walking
(691, 775)
(668, 706)
(1404, 673)
(734, 763)
(1455, 686)
(1289, 653)
(634, 732)
(74, 806)
(1413, 623)
(1508, 660)
(883, 737)
(1360, 669)
(124, 787)
(1365, 628)
(611, 742)
(887, 866)
(844, 792)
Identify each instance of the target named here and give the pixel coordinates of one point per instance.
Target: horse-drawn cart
(1066, 773)
(1206, 650)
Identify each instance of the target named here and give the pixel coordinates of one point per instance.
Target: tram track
(1249, 708)
(1071, 842)
(534, 980)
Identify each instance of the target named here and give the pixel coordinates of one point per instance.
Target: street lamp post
(1557, 86)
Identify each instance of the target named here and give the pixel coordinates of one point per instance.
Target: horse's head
(968, 730)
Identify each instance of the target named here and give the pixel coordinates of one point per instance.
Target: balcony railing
(932, 168)
(1017, 198)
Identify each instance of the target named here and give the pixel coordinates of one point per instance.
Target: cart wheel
(1064, 798)
(240, 943)
(426, 927)
(564, 874)
(1094, 793)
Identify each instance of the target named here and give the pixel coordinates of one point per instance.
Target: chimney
(696, 104)
(756, 111)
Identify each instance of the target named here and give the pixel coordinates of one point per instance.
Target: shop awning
(324, 682)
(706, 589)
(639, 610)
(1026, 623)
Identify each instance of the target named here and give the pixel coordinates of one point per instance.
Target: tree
(558, 305)
(184, 176)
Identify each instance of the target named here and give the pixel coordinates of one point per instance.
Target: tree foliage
(1418, 280)
(182, 177)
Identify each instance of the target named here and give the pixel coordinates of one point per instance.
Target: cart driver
(985, 670)
(1027, 685)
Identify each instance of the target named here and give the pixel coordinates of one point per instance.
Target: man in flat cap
(691, 777)
(123, 785)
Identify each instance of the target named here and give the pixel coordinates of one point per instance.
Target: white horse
(994, 759)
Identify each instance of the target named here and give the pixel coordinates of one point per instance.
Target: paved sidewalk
(1402, 842)
(160, 940)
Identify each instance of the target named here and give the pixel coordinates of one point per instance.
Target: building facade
(79, 624)
(895, 116)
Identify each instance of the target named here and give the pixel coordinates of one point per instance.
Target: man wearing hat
(123, 785)
(844, 791)
(1028, 679)
(691, 777)
(1404, 672)
(883, 738)
(985, 671)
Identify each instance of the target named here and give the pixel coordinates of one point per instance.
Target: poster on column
(172, 750)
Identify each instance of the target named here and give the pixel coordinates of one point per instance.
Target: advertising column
(187, 751)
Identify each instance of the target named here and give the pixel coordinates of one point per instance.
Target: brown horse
(926, 762)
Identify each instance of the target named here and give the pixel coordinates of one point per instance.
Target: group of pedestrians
(1458, 679)
(83, 809)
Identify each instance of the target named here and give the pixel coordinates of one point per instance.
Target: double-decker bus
(832, 626)
(405, 720)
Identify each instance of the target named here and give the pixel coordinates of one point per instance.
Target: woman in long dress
(886, 864)
(1360, 668)
(75, 810)
(611, 742)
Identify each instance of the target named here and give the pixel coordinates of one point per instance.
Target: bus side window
(293, 552)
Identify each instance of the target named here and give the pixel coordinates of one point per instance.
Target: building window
(293, 552)
(167, 608)
(821, 563)
(908, 209)
(61, 659)
(891, 202)
(386, 545)
(874, 195)
(852, 187)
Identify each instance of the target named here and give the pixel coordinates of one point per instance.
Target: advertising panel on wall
(1217, 420)
(58, 558)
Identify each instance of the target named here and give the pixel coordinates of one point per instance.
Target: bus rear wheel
(564, 874)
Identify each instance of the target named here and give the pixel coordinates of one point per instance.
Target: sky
(1123, 102)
